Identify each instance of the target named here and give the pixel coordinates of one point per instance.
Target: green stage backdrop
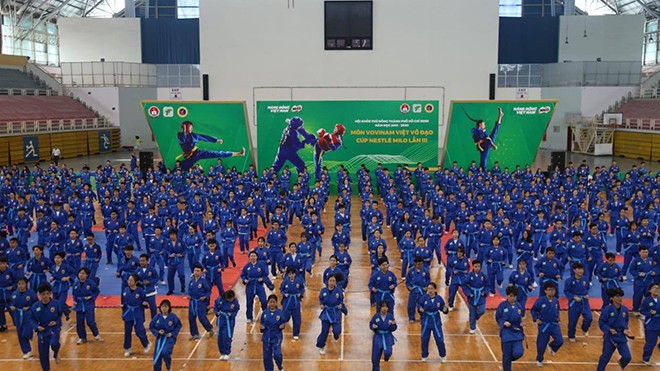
(220, 120)
(389, 132)
(517, 140)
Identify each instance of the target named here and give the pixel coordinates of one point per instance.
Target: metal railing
(30, 91)
(50, 126)
(569, 74)
(118, 74)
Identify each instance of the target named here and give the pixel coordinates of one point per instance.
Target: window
(187, 9)
(510, 8)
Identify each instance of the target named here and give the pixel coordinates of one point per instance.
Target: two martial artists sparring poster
(477, 133)
(200, 133)
(317, 134)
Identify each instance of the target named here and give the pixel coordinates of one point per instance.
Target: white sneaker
(586, 334)
(510, 266)
(451, 309)
(162, 282)
(322, 351)
(334, 340)
(552, 352)
(296, 337)
(572, 340)
(539, 364)
(649, 363)
(127, 352)
(424, 359)
(443, 359)
(472, 332)
(27, 355)
(535, 285)
(81, 341)
(98, 338)
(249, 322)
(148, 348)
(490, 295)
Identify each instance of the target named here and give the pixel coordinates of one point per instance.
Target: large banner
(350, 133)
(475, 135)
(200, 133)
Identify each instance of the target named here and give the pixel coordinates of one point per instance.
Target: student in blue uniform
(509, 315)
(271, 326)
(226, 307)
(331, 298)
(610, 275)
(417, 279)
(292, 289)
(93, 254)
(149, 279)
(476, 286)
(545, 313)
(127, 265)
(459, 265)
(46, 320)
(62, 276)
(213, 268)
(522, 279)
(200, 294)
(8, 278)
(383, 326)
(576, 289)
(134, 301)
(650, 308)
(613, 321)
(642, 270)
(37, 267)
(429, 306)
(254, 276)
(175, 253)
(21, 301)
(165, 326)
(383, 283)
(549, 270)
(85, 292)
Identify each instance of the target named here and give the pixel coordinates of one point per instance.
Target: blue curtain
(528, 40)
(170, 41)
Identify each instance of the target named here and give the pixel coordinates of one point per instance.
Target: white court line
(197, 345)
(341, 353)
(363, 334)
(481, 333)
(255, 319)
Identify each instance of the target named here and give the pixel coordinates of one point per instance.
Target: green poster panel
(349, 133)
(475, 136)
(190, 132)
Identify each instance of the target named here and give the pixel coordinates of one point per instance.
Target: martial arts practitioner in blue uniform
(225, 308)
(545, 313)
(417, 279)
(85, 292)
(200, 294)
(610, 275)
(383, 283)
(522, 279)
(175, 253)
(332, 306)
(134, 301)
(383, 325)
(429, 306)
(482, 140)
(271, 326)
(37, 267)
(191, 154)
(254, 276)
(290, 144)
(93, 254)
(46, 320)
(213, 268)
(21, 301)
(509, 317)
(459, 265)
(613, 322)
(165, 326)
(148, 279)
(643, 271)
(576, 289)
(292, 289)
(476, 286)
(8, 278)
(650, 308)
(61, 276)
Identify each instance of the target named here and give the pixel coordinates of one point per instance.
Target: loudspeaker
(205, 86)
(491, 87)
(558, 159)
(146, 161)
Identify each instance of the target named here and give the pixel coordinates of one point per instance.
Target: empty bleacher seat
(640, 109)
(36, 108)
(11, 78)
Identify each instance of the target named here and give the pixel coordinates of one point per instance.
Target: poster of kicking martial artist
(318, 134)
(506, 132)
(200, 133)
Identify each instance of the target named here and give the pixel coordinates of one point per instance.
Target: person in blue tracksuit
(46, 320)
(545, 312)
(613, 322)
(642, 269)
(148, 279)
(61, 276)
(254, 276)
(226, 307)
(228, 236)
(85, 292)
(127, 265)
(459, 265)
(650, 308)
(383, 324)
(522, 279)
(331, 298)
(417, 279)
(134, 301)
(610, 275)
(476, 285)
(165, 326)
(8, 278)
(292, 289)
(294, 260)
(271, 326)
(576, 289)
(243, 224)
(496, 263)
(383, 283)
(429, 306)
(509, 315)
(37, 267)
(93, 254)
(276, 240)
(213, 268)
(549, 269)
(22, 300)
(200, 294)
(175, 253)
(191, 154)
(193, 242)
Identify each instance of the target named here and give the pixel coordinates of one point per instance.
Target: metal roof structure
(48, 9)
(650, 8)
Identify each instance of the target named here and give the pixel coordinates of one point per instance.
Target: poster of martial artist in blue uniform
(200, 133)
